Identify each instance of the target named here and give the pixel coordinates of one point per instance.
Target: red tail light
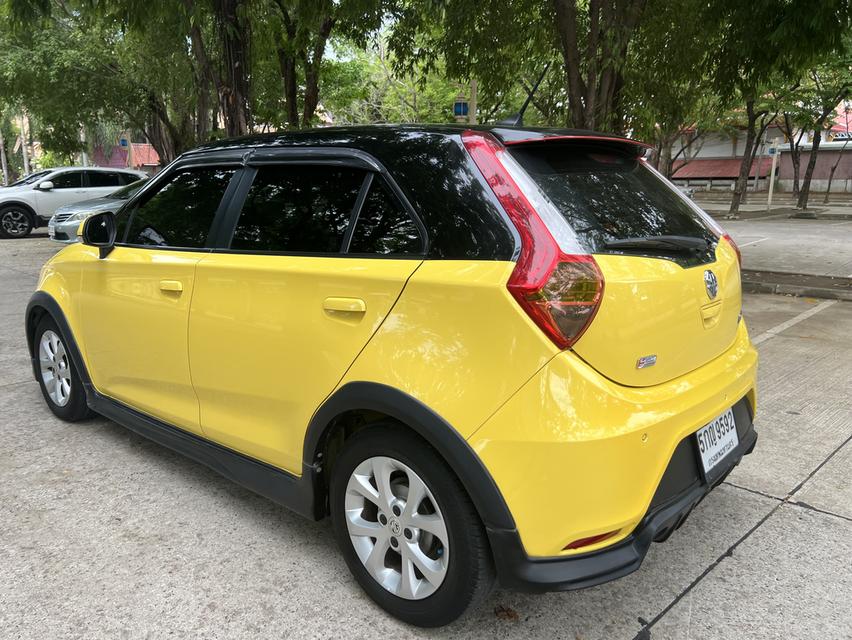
(560, 292)
(736, 248)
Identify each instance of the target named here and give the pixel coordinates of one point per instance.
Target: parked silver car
(65, 222)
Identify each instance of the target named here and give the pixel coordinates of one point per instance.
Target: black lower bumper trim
(519, 572)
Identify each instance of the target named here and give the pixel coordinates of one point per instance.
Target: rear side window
(383, 226)
(605, 195)
(129, 178)
(104, 179)
(298, 209)
(180, 212)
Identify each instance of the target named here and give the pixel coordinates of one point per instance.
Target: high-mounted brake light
(561, 293)
(736, 248)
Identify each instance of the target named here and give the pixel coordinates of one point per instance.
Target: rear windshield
(606, 195)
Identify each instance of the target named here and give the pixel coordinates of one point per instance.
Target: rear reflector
(561, 293)
(587, 542)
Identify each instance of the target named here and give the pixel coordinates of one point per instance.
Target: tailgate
(658, 321)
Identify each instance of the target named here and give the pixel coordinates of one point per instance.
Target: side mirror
(47, 185)
(99, 231)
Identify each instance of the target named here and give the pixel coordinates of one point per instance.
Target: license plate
(717, 439)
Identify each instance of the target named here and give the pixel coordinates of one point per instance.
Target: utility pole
(775, 154)
(3, 160)
(24, 139)
(471, 109)
(84, 156)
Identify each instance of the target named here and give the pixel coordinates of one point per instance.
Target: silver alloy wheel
(55, 368)
(15, 222)
(396, 528)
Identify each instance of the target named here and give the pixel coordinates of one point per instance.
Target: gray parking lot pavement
(104, 534)
(781, 243)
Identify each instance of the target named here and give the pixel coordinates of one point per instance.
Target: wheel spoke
(375, 562)
(416, 493)
(409, 582)
(432, 570)
(359, 527)
(382, 470)
(361, 485)
(433, 524)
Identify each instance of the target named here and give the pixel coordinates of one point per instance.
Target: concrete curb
(797, 284)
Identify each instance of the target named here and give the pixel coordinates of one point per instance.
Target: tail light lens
(561, 293)
(736, 248)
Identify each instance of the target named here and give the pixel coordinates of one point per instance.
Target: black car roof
(392, 134)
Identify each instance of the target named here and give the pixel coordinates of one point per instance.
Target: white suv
(30, 202)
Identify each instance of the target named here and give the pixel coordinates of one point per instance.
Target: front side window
(181, 211)
(383, 226)
(104, 179)
(298, 209)
(68, 180)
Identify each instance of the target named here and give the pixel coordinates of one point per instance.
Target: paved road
(814, 247)
(105, 535)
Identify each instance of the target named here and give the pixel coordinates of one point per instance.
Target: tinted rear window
(606, 196)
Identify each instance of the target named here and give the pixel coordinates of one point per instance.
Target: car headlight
(77, 217)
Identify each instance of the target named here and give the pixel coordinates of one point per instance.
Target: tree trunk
(312, 62)
(745, 165)
(833, 169)
(3, 160)
(805, 191)
(287, 66)
(25, 156)
(234, 38)
(795, 152)
(666, 158)
(594, 101)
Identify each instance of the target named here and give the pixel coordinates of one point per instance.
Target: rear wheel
(15, 222)
(58, 377)
(407, 529)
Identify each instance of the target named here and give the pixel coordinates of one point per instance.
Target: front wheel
(407, 529)
(15, 222)
(58, 377)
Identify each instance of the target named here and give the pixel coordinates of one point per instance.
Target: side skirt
(294, 492)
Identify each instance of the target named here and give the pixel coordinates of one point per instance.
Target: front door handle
(347, 305)
(173, 286)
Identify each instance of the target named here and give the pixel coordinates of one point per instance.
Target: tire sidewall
(450, 599)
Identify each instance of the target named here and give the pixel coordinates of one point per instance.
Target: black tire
(15, 222)
(75, 408)
(469, 575)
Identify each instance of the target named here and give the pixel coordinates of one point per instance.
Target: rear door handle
(171, 285)
(350, 305)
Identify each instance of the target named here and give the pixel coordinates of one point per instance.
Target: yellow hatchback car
(487, 353)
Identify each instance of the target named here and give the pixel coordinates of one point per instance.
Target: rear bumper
(681, 490)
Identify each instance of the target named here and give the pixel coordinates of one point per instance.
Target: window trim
(246, 160)
(148, 193)
(337, 156)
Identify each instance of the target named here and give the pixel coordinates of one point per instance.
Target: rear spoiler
(514, 137)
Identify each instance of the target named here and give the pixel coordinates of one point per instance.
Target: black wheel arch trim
(452, 447)
(43, 300)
